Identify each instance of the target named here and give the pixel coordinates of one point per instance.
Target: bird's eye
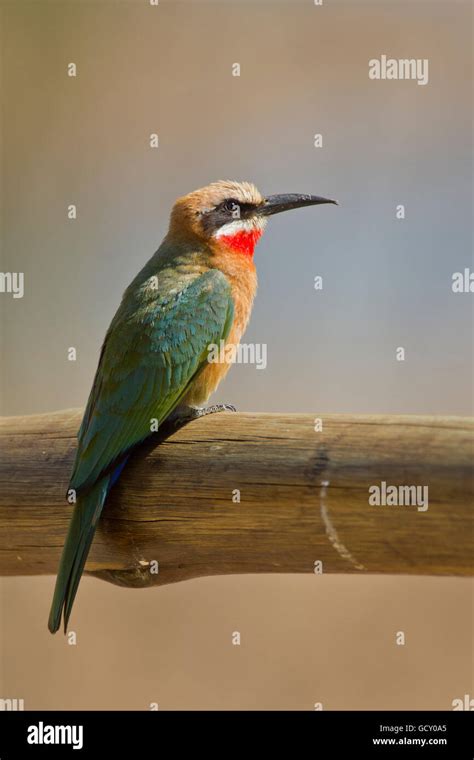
(230, 205)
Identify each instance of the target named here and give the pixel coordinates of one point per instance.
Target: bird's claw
(217, 408)
(214, 409)
(195, 413)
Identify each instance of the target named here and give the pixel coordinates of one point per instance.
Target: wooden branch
(304, 498)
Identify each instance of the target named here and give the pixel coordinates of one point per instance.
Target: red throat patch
(243, 242)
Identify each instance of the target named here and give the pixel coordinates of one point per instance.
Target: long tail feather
(76, 548)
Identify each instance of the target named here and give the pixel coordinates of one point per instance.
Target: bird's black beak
(275, 204)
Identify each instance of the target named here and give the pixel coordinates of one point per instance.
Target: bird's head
(232, 214)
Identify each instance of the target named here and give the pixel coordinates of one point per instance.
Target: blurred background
(85, 140)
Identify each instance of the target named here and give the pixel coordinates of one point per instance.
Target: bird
(196, 290)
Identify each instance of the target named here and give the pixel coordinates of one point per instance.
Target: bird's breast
(243, 280)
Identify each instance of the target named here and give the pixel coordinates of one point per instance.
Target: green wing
(155, 346)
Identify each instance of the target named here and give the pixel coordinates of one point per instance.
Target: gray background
(387, 283)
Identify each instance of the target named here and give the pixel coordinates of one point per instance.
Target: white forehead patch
(257, 224)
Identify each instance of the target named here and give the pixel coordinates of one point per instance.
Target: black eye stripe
(224, 213)
(231, 203)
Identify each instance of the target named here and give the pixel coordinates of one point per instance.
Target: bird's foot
(214, 409)
(189, 413)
